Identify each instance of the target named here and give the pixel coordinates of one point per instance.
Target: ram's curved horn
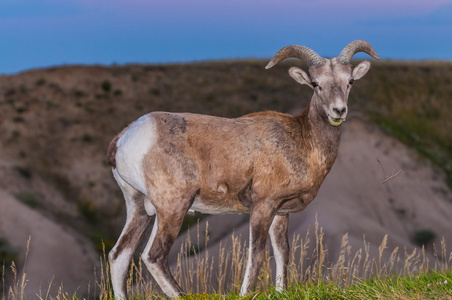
(356, 46)
(307, 55)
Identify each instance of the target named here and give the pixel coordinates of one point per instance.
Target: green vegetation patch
(423, 237)
(28, 199)
(432, 285)
(106, 86)
(7, 253)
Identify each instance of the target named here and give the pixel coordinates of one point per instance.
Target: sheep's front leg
(261, 218)
(280, 243)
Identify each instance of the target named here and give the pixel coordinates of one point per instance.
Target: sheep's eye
(351, 81)
(314, 84)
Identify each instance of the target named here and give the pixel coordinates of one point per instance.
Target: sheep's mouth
(335, 121)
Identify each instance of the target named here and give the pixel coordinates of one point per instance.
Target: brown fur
(286, 166)
(268, 164)
(136, 230)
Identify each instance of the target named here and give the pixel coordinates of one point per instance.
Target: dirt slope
(56, 254)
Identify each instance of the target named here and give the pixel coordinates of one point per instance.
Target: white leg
(122, 252)
(131, 236)
(118, 271)
(261, 218)
(246, 278)
(280, 244)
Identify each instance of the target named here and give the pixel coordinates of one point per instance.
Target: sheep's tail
(111, 152)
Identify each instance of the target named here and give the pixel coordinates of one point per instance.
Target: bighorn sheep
(267, 164)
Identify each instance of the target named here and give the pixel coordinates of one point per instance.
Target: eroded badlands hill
(56, 125)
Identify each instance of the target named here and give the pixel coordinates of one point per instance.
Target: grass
(353, 275)
(425, 285)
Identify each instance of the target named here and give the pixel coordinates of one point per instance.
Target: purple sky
(42, 33)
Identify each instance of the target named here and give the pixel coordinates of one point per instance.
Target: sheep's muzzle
(335, 121)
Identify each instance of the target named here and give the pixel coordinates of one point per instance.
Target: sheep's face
(331, 83)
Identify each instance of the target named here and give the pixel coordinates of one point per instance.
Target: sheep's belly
(218, 206)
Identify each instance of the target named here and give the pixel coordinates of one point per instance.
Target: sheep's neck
(319, 134)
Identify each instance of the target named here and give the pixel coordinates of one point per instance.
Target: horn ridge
(354, 47)
(306, 54)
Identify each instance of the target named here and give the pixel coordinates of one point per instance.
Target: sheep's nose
(340, 111)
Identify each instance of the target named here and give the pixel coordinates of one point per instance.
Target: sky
(45, 33)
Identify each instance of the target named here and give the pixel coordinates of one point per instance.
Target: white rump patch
(133, 145)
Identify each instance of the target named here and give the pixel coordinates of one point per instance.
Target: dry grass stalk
(368, 262)
(203, 270)
(393, 260)
(381, 249)
(62, 295)
(184, 268)
(388, 177)
(237, 263)
(304, 246)
(442, 262)
(339, 272)
(193, 270)
(410, 263)
(320, 254)
(265, 273)
(12, 289)
(292, 266)
(105, 281)
(3, 281)
(223, 260)
(16, 291)
(48, 290)
(354, 267)
(445, 265)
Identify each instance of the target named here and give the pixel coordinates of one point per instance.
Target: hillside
(57, 123)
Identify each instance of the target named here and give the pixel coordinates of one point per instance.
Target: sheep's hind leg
(280, 244)
(132, 235)
(155, 256)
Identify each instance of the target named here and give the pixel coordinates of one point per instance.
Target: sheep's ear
(300, 76)
(361, 70)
